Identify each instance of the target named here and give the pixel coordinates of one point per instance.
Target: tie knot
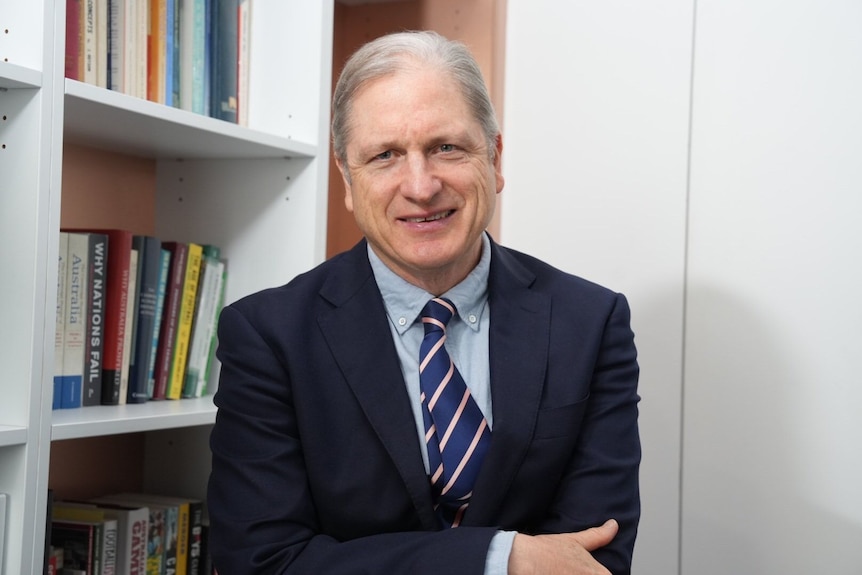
(437, 313)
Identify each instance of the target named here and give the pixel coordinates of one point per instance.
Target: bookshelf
(259, 192)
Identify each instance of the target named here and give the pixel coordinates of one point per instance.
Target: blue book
(223, 75)
(170, 41)
(149, 260)
(164, 269)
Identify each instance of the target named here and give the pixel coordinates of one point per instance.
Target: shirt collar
(404, 301)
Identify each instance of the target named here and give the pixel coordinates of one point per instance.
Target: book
(169, 318)
(243, 74)
(159, 522)
(149, 250)
(142, 47)
(118, 40)
(192, 59)
(129, 331)
(105, 546)
(132, 529)
(102, 37)
(157, 50)
(89, 26)
(164, 271)
(74, 350)
(94, 342)
(78, 540)
(116, 309)
(224, 32)
(74, 62)
(60, 321)
(203, 327)
(182, 512)
(185, 318)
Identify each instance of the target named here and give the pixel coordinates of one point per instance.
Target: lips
(431, 218)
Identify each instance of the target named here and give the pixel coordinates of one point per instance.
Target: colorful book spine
(94, 341)
(164, 272)
(60, 322)
(74, 62)
(116, 309)
(129, 332)
(74, 346)
(149, 250)
(156, 50)
(170, 314)
(224, 64)
(203, 326)
(184, 321)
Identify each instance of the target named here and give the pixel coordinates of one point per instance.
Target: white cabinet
(257, 192)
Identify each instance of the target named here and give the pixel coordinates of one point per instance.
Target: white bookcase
(258, 192)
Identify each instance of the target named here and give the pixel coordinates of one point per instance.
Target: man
(331, 451)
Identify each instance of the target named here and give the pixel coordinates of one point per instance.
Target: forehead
(411, 97)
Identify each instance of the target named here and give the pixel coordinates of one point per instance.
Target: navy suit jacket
(317, 466)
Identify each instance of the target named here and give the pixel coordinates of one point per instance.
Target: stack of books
(128, 534)
(189, 54)
(136, 318)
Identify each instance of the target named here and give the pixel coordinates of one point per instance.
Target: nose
(419, 181)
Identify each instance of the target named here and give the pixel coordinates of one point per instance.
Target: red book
(74, 67)
(170, 314)
(115, 310)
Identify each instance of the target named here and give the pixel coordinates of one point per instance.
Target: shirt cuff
(497, 560)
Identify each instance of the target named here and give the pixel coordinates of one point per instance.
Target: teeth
(433, 218)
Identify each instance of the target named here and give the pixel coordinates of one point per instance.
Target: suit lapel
(357, 332)
(520, 320)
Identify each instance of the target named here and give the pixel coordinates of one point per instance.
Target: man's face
(422, 183)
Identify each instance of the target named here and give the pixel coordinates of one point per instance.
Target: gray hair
(402, 51)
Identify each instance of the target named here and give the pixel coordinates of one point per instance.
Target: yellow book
(184, 322)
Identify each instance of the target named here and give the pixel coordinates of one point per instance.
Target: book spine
(175, 54)
(102, 26)
(129, 331)
(116, 303)
(170, 39)
(143, 47)
(117, 41)
(74, 349)
(204, 381)
(156, 51)
(60, 322)
(170, 313)
(243, 60)
(94, 341)
(164, 272)
(149, 256)
(184, 321)
(90, 42)
(74, 46)
(224, 79)
(195, 563)
(204, 312)
(198, 56)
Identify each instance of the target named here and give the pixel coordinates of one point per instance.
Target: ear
(498, 162)
(348, 190)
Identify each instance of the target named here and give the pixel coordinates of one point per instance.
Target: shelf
(113, 419)
(111, 120)
(13, 77)
(12, 435)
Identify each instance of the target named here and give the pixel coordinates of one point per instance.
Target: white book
(60, 325)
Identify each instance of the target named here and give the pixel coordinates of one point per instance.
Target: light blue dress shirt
(466, 342)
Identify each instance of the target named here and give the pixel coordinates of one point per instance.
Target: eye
(383, 155)
(447, 147)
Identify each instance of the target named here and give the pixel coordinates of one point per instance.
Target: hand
(562, 553)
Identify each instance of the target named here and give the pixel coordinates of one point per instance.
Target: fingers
(595, 537)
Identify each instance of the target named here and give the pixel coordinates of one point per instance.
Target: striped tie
(456, 432)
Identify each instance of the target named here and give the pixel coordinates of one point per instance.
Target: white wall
(705, 158)
(595, 158)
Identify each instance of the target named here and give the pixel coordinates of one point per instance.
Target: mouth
(431, 218)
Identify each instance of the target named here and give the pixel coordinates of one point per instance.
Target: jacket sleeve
(262, 513)
(601, 478)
